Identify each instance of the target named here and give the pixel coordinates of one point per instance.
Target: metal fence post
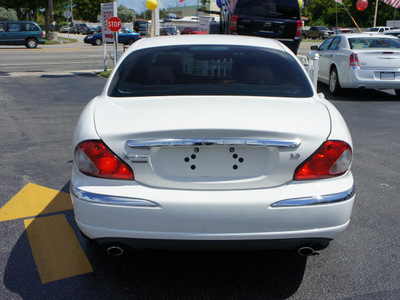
(315, 70)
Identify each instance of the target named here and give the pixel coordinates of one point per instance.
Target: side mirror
(314, 47)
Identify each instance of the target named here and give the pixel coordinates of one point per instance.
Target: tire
(97, 42)
(334, 85)
(397, 93)
(31, 43)
(131, 41)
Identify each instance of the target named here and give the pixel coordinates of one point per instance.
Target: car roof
(208, 39)
(391, 31)
(364, 35)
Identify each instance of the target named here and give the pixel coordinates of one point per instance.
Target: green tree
(88, 10)
(127, 15)
(8, 14)
(323, 12)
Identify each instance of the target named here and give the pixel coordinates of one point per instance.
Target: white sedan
(211, 141)
(364, 61)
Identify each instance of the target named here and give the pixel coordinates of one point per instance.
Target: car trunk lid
(213, 142)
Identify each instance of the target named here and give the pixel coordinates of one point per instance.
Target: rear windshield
(284, 9)
(374, 42)
(210, 70)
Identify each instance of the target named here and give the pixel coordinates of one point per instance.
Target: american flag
(394, 3)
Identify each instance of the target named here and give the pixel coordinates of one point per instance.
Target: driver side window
(326, 44)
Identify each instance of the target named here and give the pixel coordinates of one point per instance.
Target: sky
(139, 5)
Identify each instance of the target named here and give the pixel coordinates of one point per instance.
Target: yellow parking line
(35, 200)
(56, 250)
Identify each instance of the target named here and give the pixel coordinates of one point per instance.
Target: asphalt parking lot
(38, 117)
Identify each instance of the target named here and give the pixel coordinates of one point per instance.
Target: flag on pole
(339, 1)
(181, 1)
(394, 3)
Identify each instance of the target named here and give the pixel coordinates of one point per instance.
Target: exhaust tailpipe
(306, 251)
(115, 251)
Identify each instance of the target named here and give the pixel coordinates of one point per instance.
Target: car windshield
(374, 42)
(210, 70)
(287, 9)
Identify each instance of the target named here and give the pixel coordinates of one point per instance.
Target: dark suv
(278, 19)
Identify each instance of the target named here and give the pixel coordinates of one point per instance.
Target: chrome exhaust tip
(115, 251)
(306, 251)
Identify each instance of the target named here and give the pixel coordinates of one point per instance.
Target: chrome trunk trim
(317, 200)
(238, 142)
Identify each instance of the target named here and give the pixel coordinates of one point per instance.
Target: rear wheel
(397, 93)
(131, 41)
(31, 43)
(334, 85)
(97, 42)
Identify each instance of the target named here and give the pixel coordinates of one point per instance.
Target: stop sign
(114, 23)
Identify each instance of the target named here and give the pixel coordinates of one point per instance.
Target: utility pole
(52, 34)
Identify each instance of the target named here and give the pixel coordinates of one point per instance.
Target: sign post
(108, 10)
(114, 24)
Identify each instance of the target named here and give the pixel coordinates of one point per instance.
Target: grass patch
(105, 74)
(60, 40)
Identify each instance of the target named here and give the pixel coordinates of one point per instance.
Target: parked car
(65, 29)
(98, 29)
(193, 30)
(366, 61)
(80, 28)
(394, 32)
(125, 36)
(88, 30)
(278, 19)
(211, 141)
(168, 31)
(377, 29)
(21, 33)
(319, 32)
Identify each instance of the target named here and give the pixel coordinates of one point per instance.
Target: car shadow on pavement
(358, 95)
(156, 274)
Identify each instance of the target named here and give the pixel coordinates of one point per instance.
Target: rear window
(210, 70)
(374, 42)
(284, 9)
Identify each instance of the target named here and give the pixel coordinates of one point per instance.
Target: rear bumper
(371, 79)
(108, 213)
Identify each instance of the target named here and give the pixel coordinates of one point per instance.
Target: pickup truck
(317, 32)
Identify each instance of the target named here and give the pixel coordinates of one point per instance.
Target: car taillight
(299, 29)
(354, 60)
(233, 26)
(93, 158)
(41, 34)
(332, 159)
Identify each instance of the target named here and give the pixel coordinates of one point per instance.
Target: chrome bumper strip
(150, 143)
(110, 200)
(316, 200)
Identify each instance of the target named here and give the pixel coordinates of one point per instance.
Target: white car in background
(365, 61)
(211, 141)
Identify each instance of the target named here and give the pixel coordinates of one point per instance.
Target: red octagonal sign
(114, 23)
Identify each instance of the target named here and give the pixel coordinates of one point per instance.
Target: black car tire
(97, 42)
(397, 93)
(31, 43)
(131, 41)
(334, 85)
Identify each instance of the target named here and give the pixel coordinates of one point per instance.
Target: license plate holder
(387, 75)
